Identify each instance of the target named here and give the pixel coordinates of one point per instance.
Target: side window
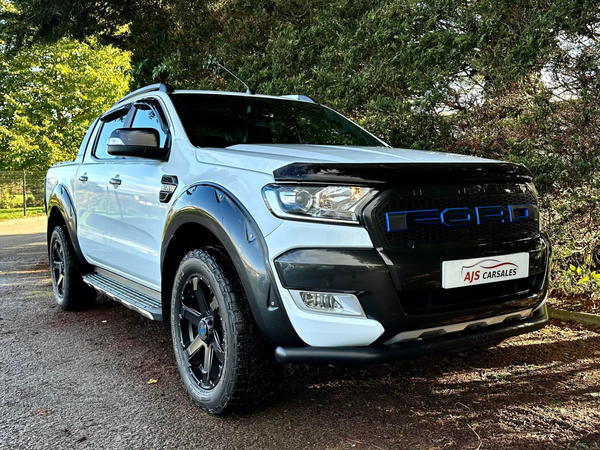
(86, 140)
(110, 124)
(146, 117)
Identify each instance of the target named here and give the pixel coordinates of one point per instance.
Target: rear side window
(85, 142)
(109, 124)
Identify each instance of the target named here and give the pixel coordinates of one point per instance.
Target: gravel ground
(80, 381)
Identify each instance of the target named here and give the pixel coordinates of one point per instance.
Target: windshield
(221, 120)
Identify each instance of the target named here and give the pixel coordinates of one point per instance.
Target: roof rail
(302, 98)
(162, 87)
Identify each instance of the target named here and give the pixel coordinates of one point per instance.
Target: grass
(16, 213)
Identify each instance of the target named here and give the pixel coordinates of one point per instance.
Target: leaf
(579, 271)
(152, 381)
(572, 268)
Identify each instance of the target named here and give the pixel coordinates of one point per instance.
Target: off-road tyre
(248, 373)
(70, 292)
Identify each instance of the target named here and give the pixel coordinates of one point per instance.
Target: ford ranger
(265, 230)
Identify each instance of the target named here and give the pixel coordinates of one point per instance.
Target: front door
(134, 207)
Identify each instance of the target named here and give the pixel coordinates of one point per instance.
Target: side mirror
(137, 142)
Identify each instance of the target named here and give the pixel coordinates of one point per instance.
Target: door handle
(83, 178)
(115, 181)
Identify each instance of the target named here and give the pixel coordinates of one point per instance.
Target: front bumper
(388, 353)
(405, 293)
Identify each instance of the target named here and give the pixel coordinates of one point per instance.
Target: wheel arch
(61, 212)
(208, 214)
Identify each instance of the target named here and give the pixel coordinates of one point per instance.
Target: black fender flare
(61, 199)
(216, 209)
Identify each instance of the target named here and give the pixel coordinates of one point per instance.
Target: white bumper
(314, 328)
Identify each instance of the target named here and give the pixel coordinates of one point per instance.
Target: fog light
(327, 302)
(318, 300)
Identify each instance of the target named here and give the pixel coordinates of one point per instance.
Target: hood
(346, 164)
(347, 154)
(269, 157)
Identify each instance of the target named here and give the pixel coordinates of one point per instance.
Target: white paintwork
(137, 218)
(312, 327)
(329, 330)
(296, 234)
(120, 229)
(92, 213)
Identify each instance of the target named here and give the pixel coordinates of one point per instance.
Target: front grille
(437, 301)
(461, 197)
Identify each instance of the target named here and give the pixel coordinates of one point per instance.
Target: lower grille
(439, 301)
(460, 197)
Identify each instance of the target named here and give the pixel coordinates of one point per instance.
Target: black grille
(464, 197)
(437, 301)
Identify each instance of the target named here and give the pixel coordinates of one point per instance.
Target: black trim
(155, 105)
(386, 354)
(102, 122)
(427, 196)
(116, 112)
(399, 173)
(61, 199)
(334, 269)
(164, 196)
(219, 211)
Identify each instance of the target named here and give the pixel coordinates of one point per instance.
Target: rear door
(93, 223)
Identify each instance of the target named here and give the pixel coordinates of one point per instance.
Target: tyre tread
(255, 369)
(78, 295)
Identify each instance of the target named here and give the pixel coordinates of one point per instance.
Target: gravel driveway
(80, 380)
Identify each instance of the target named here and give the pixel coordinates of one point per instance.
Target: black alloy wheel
(201, 332)
(57, 267)
(70, 292)
(224, 362)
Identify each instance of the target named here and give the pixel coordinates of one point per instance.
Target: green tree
(50, 94)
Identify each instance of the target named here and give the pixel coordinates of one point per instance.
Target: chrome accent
(302, 98)
(456, 327)
(349, 302)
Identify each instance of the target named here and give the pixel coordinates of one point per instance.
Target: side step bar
(143, 300)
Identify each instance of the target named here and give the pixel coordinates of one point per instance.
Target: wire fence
(21, 194)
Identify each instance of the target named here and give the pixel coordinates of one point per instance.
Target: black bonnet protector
(399, 173)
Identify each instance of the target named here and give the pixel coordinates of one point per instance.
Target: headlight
(325, 203)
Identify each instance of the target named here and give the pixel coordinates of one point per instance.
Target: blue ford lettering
(456, 217)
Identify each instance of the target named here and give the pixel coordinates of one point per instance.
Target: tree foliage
(50, 95)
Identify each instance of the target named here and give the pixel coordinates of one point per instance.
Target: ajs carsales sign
(470, 272)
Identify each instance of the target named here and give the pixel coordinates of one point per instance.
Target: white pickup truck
(267, 229)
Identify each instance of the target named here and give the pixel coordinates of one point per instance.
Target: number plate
(469, 272)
